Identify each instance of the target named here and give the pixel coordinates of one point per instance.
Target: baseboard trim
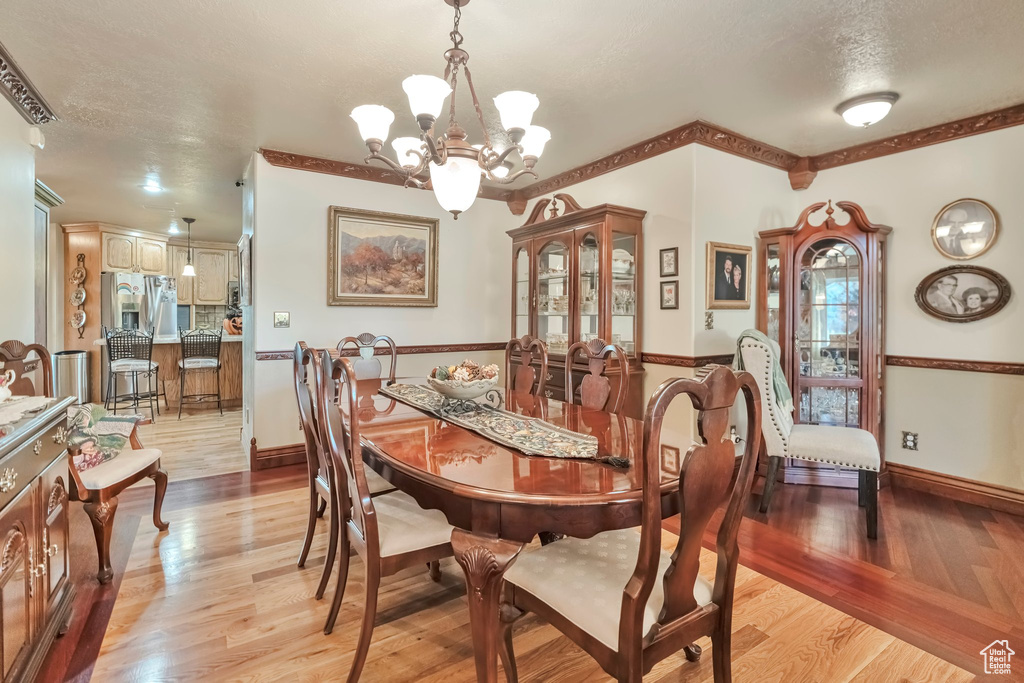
(1002, 498)
(278, 456)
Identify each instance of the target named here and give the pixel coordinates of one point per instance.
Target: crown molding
(699, 132)
(346, 169)
(954, 130)
(23, 95)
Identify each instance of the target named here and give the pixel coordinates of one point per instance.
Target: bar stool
(130, 354)
(200, 353)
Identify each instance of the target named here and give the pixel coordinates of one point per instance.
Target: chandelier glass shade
(453, 167)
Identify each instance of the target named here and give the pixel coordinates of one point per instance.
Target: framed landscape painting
(380, 259)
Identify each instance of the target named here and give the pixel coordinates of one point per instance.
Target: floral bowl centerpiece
(464, 381)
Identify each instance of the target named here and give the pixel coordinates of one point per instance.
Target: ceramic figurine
(6, 381)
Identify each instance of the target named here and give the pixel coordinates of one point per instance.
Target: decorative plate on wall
(78, 275)
(962, 294)
(78, 319)
(965, 229)
(78, 297)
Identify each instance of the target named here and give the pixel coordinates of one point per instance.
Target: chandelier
(454, 166)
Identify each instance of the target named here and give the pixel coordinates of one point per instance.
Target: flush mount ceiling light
(151, 186)
(453, 166)
(188, 270)
(867, 109)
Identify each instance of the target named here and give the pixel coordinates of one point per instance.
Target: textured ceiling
(186, 89)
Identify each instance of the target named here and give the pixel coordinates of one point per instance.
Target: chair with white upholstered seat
(619, 595)
(390, 532)
(200, 354)
(844, 446)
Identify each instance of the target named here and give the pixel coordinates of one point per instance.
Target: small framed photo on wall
(669, 259)
(670, 294)
(729, 270)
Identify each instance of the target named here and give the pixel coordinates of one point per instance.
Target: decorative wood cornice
(686, 361)
(972, 125)
(346, 169)
(19, 90)
(402, 350)
(700, 132)
(954, 364)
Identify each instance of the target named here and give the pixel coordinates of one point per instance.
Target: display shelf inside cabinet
(821, 296)
(577, 276)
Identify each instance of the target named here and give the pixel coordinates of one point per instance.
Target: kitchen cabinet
(35, 590)
(232, 266)
(211, 281)
(578, 277)
(179, 257)
(136, 254)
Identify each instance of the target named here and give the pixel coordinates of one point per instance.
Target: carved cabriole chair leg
(102, 517)
(508, 614)
(769, 481)
(160, 479)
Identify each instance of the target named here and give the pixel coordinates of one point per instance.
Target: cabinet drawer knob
(37, 447)
(8, 480)
(60, 436)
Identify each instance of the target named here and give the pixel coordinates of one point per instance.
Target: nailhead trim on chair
(833, 462)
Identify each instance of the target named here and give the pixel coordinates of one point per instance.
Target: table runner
(528, 435)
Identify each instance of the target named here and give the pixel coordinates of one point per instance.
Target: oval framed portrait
(962, 294)
(965, 229)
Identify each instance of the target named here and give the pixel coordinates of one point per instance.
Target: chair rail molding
(995, 367)
(23, 95)
(402, 350)
(687, 361)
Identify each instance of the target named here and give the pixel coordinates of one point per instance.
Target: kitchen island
(167, 352)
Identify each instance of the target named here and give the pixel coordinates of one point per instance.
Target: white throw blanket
(16, 407)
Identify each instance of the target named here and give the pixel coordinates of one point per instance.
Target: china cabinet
(577, 277)
(821, 296)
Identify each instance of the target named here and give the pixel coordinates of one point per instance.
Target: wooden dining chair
(319, 467)
(596, 388)
(390, 532)
(618, 595)
(525, 378)
(367, 366)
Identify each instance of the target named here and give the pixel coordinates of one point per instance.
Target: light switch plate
(709, 320)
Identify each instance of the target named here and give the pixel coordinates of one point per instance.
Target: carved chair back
(340, 439)
(305, 358)
(596, 388)
(525, 378)
(200, 343)
(704, 479)
(131, 344)
(14, 355)
(367, 366)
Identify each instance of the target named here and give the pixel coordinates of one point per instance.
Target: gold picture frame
(719, 292)
(394, 256)
(952, 234)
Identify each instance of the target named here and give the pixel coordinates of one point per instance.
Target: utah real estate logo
(997, 657)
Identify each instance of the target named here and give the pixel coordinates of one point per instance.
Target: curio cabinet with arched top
(821, 296)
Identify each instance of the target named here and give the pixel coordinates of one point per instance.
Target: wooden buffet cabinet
(35, 588)
(579, 276)
(821, 296)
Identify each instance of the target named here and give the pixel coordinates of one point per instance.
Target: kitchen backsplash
(210, 317)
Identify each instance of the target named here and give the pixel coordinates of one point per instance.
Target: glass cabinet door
(589, 289)
(623, 303)
(828, 333)
(553, 296)
(773, 284)
(522, 271)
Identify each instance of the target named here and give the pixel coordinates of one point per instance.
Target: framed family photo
(728, 275)
(669, 260)
(962, 294)
(964, 229)
(380, 259)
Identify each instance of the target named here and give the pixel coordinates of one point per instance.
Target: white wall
(17, 221)
(970, 425)
(290, 274)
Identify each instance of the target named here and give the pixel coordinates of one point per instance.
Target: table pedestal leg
(484, 560)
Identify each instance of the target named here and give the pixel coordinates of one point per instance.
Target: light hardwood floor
(219, 598)
(203, 443)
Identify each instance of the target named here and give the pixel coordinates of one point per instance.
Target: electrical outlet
(910, 441)
(709, 320)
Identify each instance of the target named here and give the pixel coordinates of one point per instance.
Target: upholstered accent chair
(319, 467)
(596, 388)
(391, 532)
(367, 365)
(101, 468)
(844, 446)
(525, 378)
(619, 595)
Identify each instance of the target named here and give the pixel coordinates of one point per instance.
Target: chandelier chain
(455, 35)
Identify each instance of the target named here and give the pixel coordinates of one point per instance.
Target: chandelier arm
(501, 157)
(512, 177)
(476, 105)
(435, 150)
(394, 166)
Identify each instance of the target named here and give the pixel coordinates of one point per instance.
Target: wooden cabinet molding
(211, 281)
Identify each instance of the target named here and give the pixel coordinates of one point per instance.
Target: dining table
(497, 498)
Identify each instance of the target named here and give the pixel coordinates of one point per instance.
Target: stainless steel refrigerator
(136, 301)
